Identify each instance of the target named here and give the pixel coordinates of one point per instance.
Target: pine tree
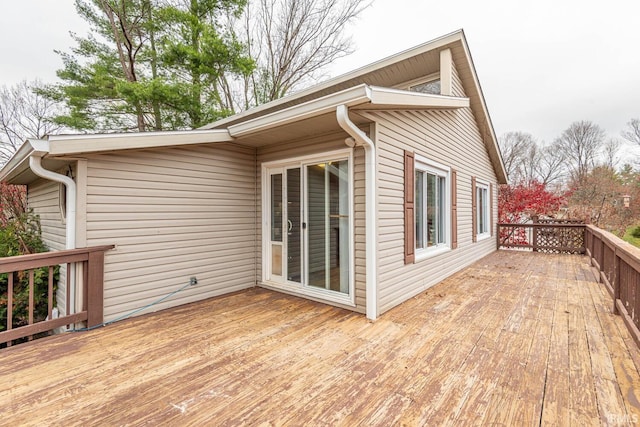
(148, 65)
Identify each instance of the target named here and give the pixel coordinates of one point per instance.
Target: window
(62, 202)
(482, 211)
(431, 87)
(431, 207)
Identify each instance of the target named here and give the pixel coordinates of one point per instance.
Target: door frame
(265, 205)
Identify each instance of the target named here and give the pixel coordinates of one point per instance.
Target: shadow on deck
(514, 339)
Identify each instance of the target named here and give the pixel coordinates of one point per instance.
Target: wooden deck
(515, 339)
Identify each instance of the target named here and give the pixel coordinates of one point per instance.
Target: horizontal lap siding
(44, 198)
(172, 213)
(311, 147)
(450, 138)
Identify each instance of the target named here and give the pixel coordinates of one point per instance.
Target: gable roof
(411, 64)
(369, 87)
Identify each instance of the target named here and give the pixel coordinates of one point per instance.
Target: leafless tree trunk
(515, 148)
(632, 133)
(526, 160)
(580, 143)
(610, 150)
(292, 41)
(129, 38)
(24, 113)
(550, 167)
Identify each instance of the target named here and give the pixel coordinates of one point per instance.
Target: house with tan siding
(360, 192)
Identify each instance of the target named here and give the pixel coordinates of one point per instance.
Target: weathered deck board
(515, 339)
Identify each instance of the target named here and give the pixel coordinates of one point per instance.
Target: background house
(359, 192)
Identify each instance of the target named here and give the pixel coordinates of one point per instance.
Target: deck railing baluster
(92, 260)
(9, 303)
(31, 273)
(50, 293)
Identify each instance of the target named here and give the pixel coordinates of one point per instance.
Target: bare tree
(610, 151)
(550, 167)
(516, 149)
(527, 160)
(580, 143)
(292, 42)
(632, 133)
(24, 113)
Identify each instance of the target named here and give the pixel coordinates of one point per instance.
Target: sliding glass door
(310, 226)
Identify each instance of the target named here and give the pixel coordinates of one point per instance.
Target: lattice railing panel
(559, 240)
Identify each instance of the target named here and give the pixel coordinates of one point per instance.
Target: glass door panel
(294, 224)
(317, 229)
(328, 230)
(276, 224)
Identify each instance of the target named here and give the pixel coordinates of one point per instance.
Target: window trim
(483, 185)
(422, 164)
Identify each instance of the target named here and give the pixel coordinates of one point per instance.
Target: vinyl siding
(450, 138)
(172, 213)
(456, 83)
(44, 198)
(317, 146)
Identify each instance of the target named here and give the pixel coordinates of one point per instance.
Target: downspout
(357, 137)
(40, 149)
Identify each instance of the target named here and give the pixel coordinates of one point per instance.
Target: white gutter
(360, 138)
(40, 149)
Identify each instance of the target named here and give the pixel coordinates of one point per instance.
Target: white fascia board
(396, 98)
(502, 172)
(353, 96)
(17, 163)
(399, 57)
(76, 144)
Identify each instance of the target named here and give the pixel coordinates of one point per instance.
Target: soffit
(299, 130)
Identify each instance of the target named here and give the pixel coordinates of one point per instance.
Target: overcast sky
(542, 64)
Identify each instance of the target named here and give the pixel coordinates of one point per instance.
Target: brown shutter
(474, 210)
(454, 209)
(409, 206)
(491, 207)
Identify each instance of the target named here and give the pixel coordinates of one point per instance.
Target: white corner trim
(446, 72)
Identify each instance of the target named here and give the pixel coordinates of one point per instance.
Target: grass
(628, 237)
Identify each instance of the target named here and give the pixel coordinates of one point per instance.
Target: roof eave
(386, 98)
(414, 51)
(79, 144)
(69, 145)
(359, 97)
(18, 163)
(354, 96)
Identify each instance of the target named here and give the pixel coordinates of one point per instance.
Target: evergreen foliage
(149, 65)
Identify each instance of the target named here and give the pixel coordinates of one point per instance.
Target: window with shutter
(482, 209)
(432, 211)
